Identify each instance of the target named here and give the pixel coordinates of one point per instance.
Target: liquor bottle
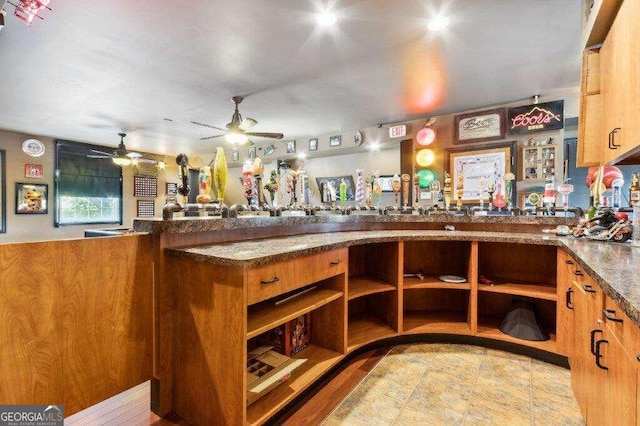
(634, 190)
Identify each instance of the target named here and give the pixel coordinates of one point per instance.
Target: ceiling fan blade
(134, 155)
(147, 160)
(247, 123)
(265, 135)
(102, 152)
(208, 125)
(98, 156)
(211, 137)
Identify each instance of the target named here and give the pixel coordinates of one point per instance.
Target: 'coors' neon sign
(536, 118)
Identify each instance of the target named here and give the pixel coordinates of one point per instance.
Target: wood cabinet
(617, 106)
(371, 291)
(539, 162)
(603, 371)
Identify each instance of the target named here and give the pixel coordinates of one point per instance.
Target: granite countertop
(615, 267)
(212, 223)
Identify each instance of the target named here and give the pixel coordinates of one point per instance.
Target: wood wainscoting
(75, 320)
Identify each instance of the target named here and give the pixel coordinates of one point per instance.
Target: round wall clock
(33, 147)
(357, 139)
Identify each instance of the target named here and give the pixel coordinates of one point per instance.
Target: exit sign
(398, 131)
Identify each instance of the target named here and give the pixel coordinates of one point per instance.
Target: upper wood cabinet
(609, 129)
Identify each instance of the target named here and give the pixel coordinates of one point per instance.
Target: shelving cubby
(325, 301)
(436, 310)
(435, 258)
(372, 317)
(494, 307)
(518, 269)
(373, 268)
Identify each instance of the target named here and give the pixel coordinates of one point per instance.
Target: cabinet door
(565, 306)
(620, 68)
(531, 163)
(619, 388)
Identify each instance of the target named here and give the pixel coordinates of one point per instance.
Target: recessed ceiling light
(439, 23)
(326, 19)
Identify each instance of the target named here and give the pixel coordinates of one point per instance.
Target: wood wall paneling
(75, 320)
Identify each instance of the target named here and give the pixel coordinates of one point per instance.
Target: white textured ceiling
(93, 68)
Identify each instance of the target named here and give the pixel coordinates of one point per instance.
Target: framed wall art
(480, 126)
(31, 198)
(33, 171)
(475, 170)
(313, 144)
(335, 140)
(291, 147)
(172, 188)
(145, 186)
(333, 186)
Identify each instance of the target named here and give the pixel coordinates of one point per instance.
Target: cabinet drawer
(621, 326)
(277, 278)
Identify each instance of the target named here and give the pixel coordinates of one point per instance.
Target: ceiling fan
(121, 156)
(236, 131)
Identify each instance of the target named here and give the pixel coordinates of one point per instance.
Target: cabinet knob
(569, 262)
(610, 314)
(336, 262)
(578, 273)
(271, 281)
(588, 288)
(568, 302)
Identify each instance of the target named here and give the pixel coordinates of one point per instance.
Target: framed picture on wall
(291, 147)
(33, 171)
(313, 144)
(480, 126)
(31, 198)
(474, 171)
(335, 140)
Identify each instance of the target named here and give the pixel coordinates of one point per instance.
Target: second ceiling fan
(236, 131)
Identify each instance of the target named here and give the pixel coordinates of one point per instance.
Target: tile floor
(445, 384)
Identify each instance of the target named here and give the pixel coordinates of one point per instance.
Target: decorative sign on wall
(33, 171)
(145, 186)
(31, 198)
(480, 126)
(536, 118)
(397, 131)
(146, 208)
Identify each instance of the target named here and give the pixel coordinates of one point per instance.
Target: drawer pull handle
(610, 314)
(336, 262)
(569, 262)
(568, 302)
(588, 288)
(271, 281)
(598, 355)
(593, 340)
(578, 273)
(613, 137)
(611, 140)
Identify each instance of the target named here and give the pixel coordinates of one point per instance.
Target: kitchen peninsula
(216, 280)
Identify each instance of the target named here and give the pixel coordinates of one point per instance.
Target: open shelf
(366, 328)
(521, 288)
(435, 322)
(363, 285)
(319, 361)
(488, 327)
(432, 281)
(267, 315)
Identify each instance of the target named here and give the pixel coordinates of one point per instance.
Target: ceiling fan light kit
(236, 131)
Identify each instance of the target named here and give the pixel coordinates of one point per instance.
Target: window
(87, 190)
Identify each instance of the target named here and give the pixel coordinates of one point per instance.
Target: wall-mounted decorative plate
(33, 147)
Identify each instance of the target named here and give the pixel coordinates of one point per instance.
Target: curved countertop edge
(210, 223)
(614, 267)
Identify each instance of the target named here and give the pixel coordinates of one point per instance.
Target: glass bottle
(590, 212)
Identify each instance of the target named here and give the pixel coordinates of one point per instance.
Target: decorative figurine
(204, 185)
(220, 172)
